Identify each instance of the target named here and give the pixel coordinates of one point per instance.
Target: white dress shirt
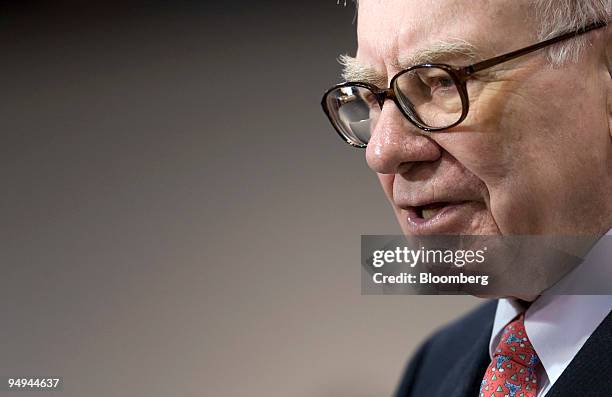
(559, 325)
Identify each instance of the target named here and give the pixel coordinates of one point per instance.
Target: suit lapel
(464, 377)
(589, 372)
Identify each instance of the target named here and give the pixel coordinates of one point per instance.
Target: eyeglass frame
(460, 76)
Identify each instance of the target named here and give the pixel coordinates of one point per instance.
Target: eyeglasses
(431, 96)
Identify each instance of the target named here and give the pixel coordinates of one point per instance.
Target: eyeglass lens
(427, 95)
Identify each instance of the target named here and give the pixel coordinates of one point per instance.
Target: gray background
(178, 216)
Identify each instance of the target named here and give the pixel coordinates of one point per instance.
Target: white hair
(560, 16)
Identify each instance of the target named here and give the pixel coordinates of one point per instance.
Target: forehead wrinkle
(438, 51)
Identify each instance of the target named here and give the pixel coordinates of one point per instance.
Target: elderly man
(492, 117)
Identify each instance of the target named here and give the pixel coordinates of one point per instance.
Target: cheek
(496, 135)
(482, 152)
(525, 150)
(493, 144)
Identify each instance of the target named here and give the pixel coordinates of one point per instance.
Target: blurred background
(178, 216)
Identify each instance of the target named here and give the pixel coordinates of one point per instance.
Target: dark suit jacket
(452, 362)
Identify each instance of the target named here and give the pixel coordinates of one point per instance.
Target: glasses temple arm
(477, 67)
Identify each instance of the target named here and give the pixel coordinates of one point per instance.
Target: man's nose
(395, 143)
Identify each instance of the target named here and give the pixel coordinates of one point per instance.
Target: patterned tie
(512, 371)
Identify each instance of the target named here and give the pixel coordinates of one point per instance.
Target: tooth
(427, 213)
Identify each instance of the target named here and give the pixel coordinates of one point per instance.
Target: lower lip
(442, 222)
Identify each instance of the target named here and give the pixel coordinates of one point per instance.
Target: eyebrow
(355, 70)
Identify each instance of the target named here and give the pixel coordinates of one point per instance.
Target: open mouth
(425, 213)
(430, 210)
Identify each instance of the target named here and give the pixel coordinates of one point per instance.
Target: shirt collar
(559, 325)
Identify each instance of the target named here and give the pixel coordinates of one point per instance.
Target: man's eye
(445, 82)
(370, 99)
(440, 83)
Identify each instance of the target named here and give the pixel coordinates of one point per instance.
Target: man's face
(534, 155)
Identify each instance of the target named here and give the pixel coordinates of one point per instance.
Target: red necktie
(512, 371)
